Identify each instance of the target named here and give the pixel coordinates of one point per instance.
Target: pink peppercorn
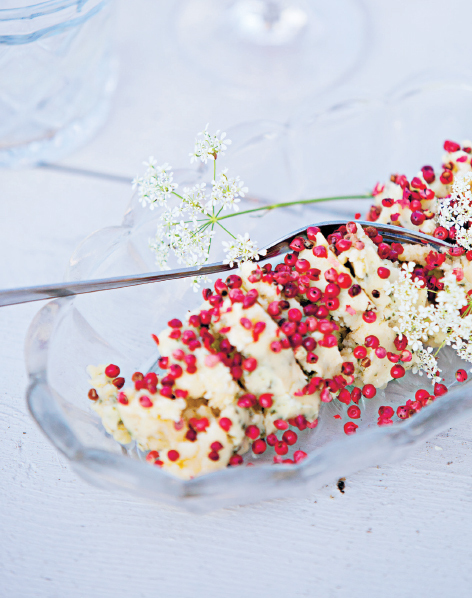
(311, 232)
(173, 455)
(371, 341)
(294, 315)
(354, 412)
(386, 412)
(265, 400)
(112, 371)
(369, 317)
(451, 146)
(356, 394)
(440, 389)
(350, 428)
(247, 401)
(289, 437)
(347, 368)
(225, 423)
(121, 398)
(250, 364)
(145, 402)
(281, 448)
(259, 446)
(344, 281)
(299, 456)
(320, 251)
(383, 272)
(298, 244)
(118, 382)
(397, 371)
(344, 396)
(302, 266)
(252, 432)
(281, 424)
(380, 352)
(359, 352)
(369, 391)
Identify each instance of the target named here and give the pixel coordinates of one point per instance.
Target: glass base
(268, 23)
(284, 48)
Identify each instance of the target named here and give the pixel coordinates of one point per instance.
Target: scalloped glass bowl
(343, 149)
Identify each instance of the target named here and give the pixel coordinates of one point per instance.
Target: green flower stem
(295, 203)
(214, 178)
(209, 245)
(440, 347)
(225, 229)
(284, 205)
(469, 308)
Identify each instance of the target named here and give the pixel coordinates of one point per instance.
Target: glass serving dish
(343, 149)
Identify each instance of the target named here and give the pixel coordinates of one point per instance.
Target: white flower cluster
(412, 319)
(186, 223)
(456, 210)
(242, 249)
(209, 146)
(226, 192)
(421, 322)
(156, 186)
(427, 364)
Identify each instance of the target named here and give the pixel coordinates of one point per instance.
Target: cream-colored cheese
(276, 373)
(208, 393)
(212, 380)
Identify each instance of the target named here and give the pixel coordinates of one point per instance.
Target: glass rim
(39, 9)
(28, 24)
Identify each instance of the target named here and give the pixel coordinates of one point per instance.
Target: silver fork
(67, 289)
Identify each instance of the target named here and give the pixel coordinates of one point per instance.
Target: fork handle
(69, 289)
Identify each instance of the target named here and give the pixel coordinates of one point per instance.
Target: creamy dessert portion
(264, 349)
(416, 204)
(250, 367)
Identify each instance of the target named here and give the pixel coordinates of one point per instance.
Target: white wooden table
(397, 531)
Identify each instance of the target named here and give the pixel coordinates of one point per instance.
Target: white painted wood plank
(397, 531)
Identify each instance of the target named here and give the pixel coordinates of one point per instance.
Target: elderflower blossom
(209, 147)
(456, 210)
(464, 349)
(193, 201)
(156, 186)
(186, 223)
(226, 192)
(191, 246)
(449, 301)
(161, 248)
(420, 323)
(427, 364)
(242, 249)
(412, 319)
(196, 282)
